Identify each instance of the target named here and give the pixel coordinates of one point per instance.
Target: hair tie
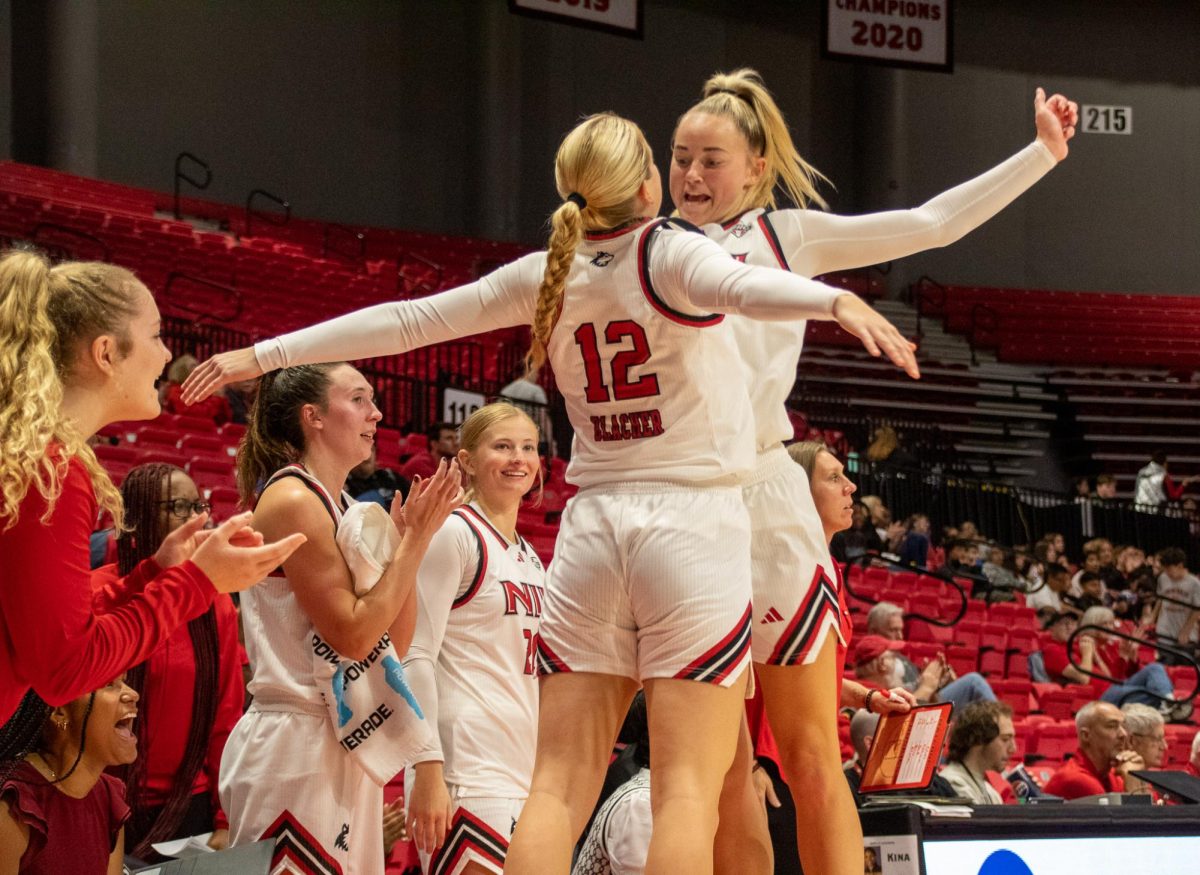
(736, 94)
(577, 199)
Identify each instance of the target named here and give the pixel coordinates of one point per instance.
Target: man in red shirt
(1102, 760)
(443, 444)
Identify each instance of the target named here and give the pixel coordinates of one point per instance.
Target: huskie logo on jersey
(628, 426)
(527, 595)
(741, 229)
(602, 259)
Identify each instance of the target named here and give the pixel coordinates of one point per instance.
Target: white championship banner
(902, 33)
(619, 16)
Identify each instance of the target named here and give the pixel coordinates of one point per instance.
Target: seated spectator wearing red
(878, 662)
(443, 444)
(1175, 623)
(214, 407)
(1148, 739)
(982, 740)
(1095, 651)
(82, 351)
(191, 687)
(1103, 758)
(60, 811)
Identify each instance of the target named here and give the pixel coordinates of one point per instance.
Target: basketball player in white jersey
(284, 776)
(729, 153)
(628, 312)
(472, 661)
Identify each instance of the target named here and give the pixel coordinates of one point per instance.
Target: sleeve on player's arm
(822, 242)
(65, 647)
(691, 272)
(502, 299)
(446, 572)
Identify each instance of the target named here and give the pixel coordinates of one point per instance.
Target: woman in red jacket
(80, 348)
(191, 688)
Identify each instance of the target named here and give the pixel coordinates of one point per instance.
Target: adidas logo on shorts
(772, 616)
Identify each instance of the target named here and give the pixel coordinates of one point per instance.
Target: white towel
(375, 715)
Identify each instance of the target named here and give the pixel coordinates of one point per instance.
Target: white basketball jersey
(770, 351)
(277, 632)
(486, 674)
(652, 393)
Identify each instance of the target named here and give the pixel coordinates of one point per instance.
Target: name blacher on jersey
(631, 426)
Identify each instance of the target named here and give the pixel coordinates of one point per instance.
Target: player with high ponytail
(628, 311)
(80, 349)
(732, 156)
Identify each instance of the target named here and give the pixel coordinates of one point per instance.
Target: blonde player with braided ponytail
(628, 311)
(731, 152)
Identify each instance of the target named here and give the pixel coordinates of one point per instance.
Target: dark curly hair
(977, 724)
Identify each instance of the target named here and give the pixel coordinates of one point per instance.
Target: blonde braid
(599, 170)
(566, 230)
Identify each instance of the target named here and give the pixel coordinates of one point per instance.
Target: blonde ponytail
(46, 314)
(599, 169)
(742, 98)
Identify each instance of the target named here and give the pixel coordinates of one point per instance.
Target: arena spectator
(1102, 760)
(1154, 486)
(443, 444)
(1091, 592)
(240, 395)
(191, 689)
(1048, 598)
(1091, 565)
(1106, 487)
(858, 540)
(60, 811)
(527, 393)
(1193, 763)
(876, 665)
(1147, 738)
(1098, 652)
(886, 453)
(981, 740)
(215, 407)
(914, 548)
(1174, 623)
(1000, 569)
(369, 482)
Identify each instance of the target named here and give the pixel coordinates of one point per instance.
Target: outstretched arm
(695, 274)
(816, 243)
(502, 299)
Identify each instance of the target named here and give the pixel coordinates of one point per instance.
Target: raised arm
(694, 274)
(815, 242)
(501, 299)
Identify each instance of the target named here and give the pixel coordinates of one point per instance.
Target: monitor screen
(1162, 855)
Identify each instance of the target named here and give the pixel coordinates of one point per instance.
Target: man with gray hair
(1148, 738)
(1103, 759)
(936, 682)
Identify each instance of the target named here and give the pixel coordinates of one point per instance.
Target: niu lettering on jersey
(522, 599)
